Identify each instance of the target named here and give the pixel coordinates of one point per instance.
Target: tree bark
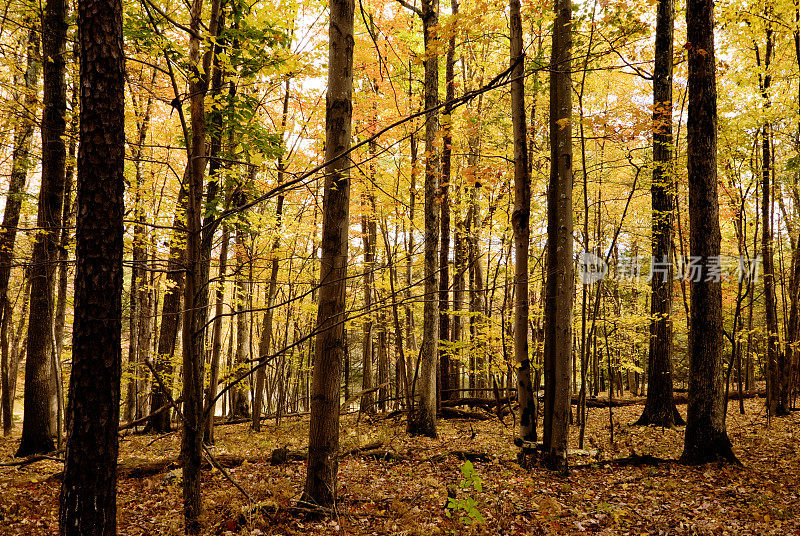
(422, 417)
(196, 288)
(88, 493)
(38, 426)
(216, 340)
(323, 443)
(660, 408)
(706, 438)
(520, 220)
(560, 277)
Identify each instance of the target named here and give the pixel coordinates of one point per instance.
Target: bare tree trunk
(706, 438)
(88, 493)
(170, 318)
(323, 444)
(216, 340)
(196, 287)
(40, 415)
(660, 407)
(368, 239)
(560, 277)
(520, 220)
(445, 367)
(239, 394)
(422, 417)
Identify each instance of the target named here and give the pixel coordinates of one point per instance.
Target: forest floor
(406, 492)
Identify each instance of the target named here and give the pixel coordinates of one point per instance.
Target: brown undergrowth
(407, 494)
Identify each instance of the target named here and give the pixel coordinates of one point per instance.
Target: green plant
(466, 508)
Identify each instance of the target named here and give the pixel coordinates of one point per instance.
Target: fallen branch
(634, 460)
(455, 413)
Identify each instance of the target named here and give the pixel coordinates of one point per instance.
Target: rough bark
(660, 408)
(706, 438)
(39, 421)
(422, 417)
(321, 478)
(88, 492)
(560, 277)
(520, 221)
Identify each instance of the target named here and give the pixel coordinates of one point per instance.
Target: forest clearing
(401, 487)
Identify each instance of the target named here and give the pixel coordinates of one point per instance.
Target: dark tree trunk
(159, 423)
(323, 440)
(216, 341)
(660, 407)
(88, 493)
(16, 190)
(560, 279)
(520, 220)
(67, 220)
(445, 367)
(195, 297)
(706, 438)
(38, 426)
(422, 417)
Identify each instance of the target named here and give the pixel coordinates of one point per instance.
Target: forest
(396, 267)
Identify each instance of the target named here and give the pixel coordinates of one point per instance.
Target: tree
(522, 233)
(23, 134)
(88, 503)
(706, 439)
(446, 379)
(323, 433)
(560, 277)
(195, 296)
(422, 416)
(39, 419)
(660, 407)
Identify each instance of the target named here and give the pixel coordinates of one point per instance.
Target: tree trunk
(445, 367)
(706, 438)
(520, 221)
(422, 417)
(368, 239)
(67, 222)
(88, 493)
(159, 423)
(216, 341)
(196, 288)
(266, 329)
(560, 279)
(38, 426)
(239, 394)
(660, 407)
(323, 444)
(16, 190)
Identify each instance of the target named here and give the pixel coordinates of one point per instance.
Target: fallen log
(470, 455)
(455, 413)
